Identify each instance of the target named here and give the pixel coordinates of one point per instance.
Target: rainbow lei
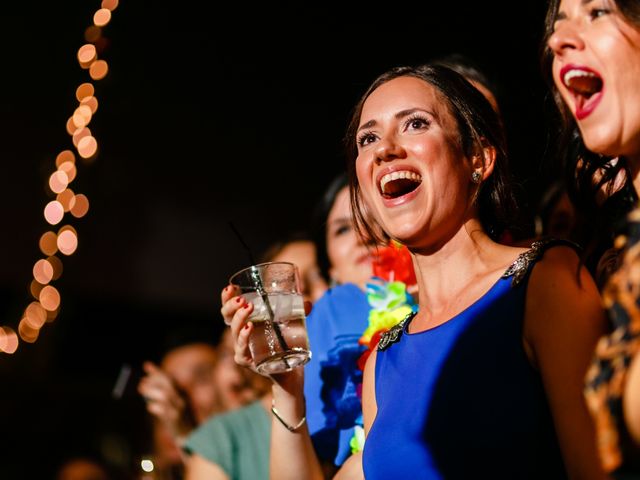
(390, 304)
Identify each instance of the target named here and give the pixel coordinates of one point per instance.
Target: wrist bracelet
(286, 425)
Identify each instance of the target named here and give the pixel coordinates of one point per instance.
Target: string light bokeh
(65, 205)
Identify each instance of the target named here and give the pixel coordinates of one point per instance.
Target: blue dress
(334, 326)
(461, 400)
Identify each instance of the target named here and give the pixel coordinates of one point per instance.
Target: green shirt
(237, 441)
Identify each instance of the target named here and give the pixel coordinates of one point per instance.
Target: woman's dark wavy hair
(582, 167)
(478, 126)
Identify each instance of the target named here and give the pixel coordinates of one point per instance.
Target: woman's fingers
(231, 301)
(242, 352)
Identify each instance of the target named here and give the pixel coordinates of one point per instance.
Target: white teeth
(576, 73)
(397, 175)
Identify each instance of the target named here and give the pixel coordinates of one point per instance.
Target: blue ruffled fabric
(335, 324)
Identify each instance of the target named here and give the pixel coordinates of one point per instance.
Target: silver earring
(476, 176)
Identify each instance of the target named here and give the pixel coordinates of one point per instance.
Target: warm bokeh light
(70, 169)
(71, 126)
(85, 90)
(110, 4)
(35, 314)
(98, 70)
(49, 298)
(43, 271)
(58, 181)
(86, 55)
(81, 206)
(52, 315)
(91, 102)
(35, 288)
(53, 212)
(92, 34)
(67, 199)
(56, 263)
(48, 243)
(147, 465)
(8, 340)
(67, 242)
(87, 147)
(82, 116)
(80, 134)
(65, 156)
(27, 332)
(102, 17)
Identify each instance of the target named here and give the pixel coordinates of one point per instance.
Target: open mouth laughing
(585, 85)
(398, 183)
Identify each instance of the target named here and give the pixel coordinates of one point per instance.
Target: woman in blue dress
(485, 380)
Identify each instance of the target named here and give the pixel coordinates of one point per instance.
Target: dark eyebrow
(399, 115)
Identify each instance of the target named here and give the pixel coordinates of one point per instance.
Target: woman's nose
(566, 37)
(389, 149)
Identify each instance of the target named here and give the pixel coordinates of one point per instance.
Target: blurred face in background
(191, 367)
(350, 259)
(302, 253)
(237, 385)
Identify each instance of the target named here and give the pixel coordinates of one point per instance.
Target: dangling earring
(476, 176)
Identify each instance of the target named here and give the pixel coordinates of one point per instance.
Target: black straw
(255, 275)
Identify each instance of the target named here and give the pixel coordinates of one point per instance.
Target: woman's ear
(485, 162)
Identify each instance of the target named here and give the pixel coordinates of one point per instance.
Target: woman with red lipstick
(592, 58)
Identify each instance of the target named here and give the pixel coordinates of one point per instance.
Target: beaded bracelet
(286, 425)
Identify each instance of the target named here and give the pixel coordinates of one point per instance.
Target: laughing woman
(592, 59)
(485, 381)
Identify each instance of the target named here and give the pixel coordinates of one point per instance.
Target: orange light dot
(81, 206)
(35, 288)
(91, 102)
(80, 134)
(102, 17)
(92, 33)
(86, 54)
(50, 298)
(43, 271)
(71, 126)
(51, 315)
(98, 70)
(58, 181)
(110, 4)
(56, 263)
(67, 242)
(8, 340)
(79, 120)
(84, 90)
(65, 156)
(84, 111)
(53, 212)
(67, 199)
(48, 243)
(35, 315)
(70, 169)
(27, 332)
(87, 147)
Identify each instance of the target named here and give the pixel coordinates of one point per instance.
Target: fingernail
(238, 299)
(246, 305)
(246, 326)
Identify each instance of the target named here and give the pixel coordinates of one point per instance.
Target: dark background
(205, 117)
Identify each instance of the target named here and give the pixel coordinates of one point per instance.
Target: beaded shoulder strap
(394, 333)
(519, 268)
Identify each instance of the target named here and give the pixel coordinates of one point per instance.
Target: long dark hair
(478, 126)
(588, 175)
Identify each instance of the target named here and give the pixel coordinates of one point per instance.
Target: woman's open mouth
(585, 85)
(398, 183)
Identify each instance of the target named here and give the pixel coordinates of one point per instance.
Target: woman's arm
(563, 321)
(292, 455)
(199, 468)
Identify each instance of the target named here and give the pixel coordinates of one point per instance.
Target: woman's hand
(165, 401)
(236, 311)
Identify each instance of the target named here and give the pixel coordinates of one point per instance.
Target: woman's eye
(417, 123)
(366, 139)
(598, 12)
(341, 230)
